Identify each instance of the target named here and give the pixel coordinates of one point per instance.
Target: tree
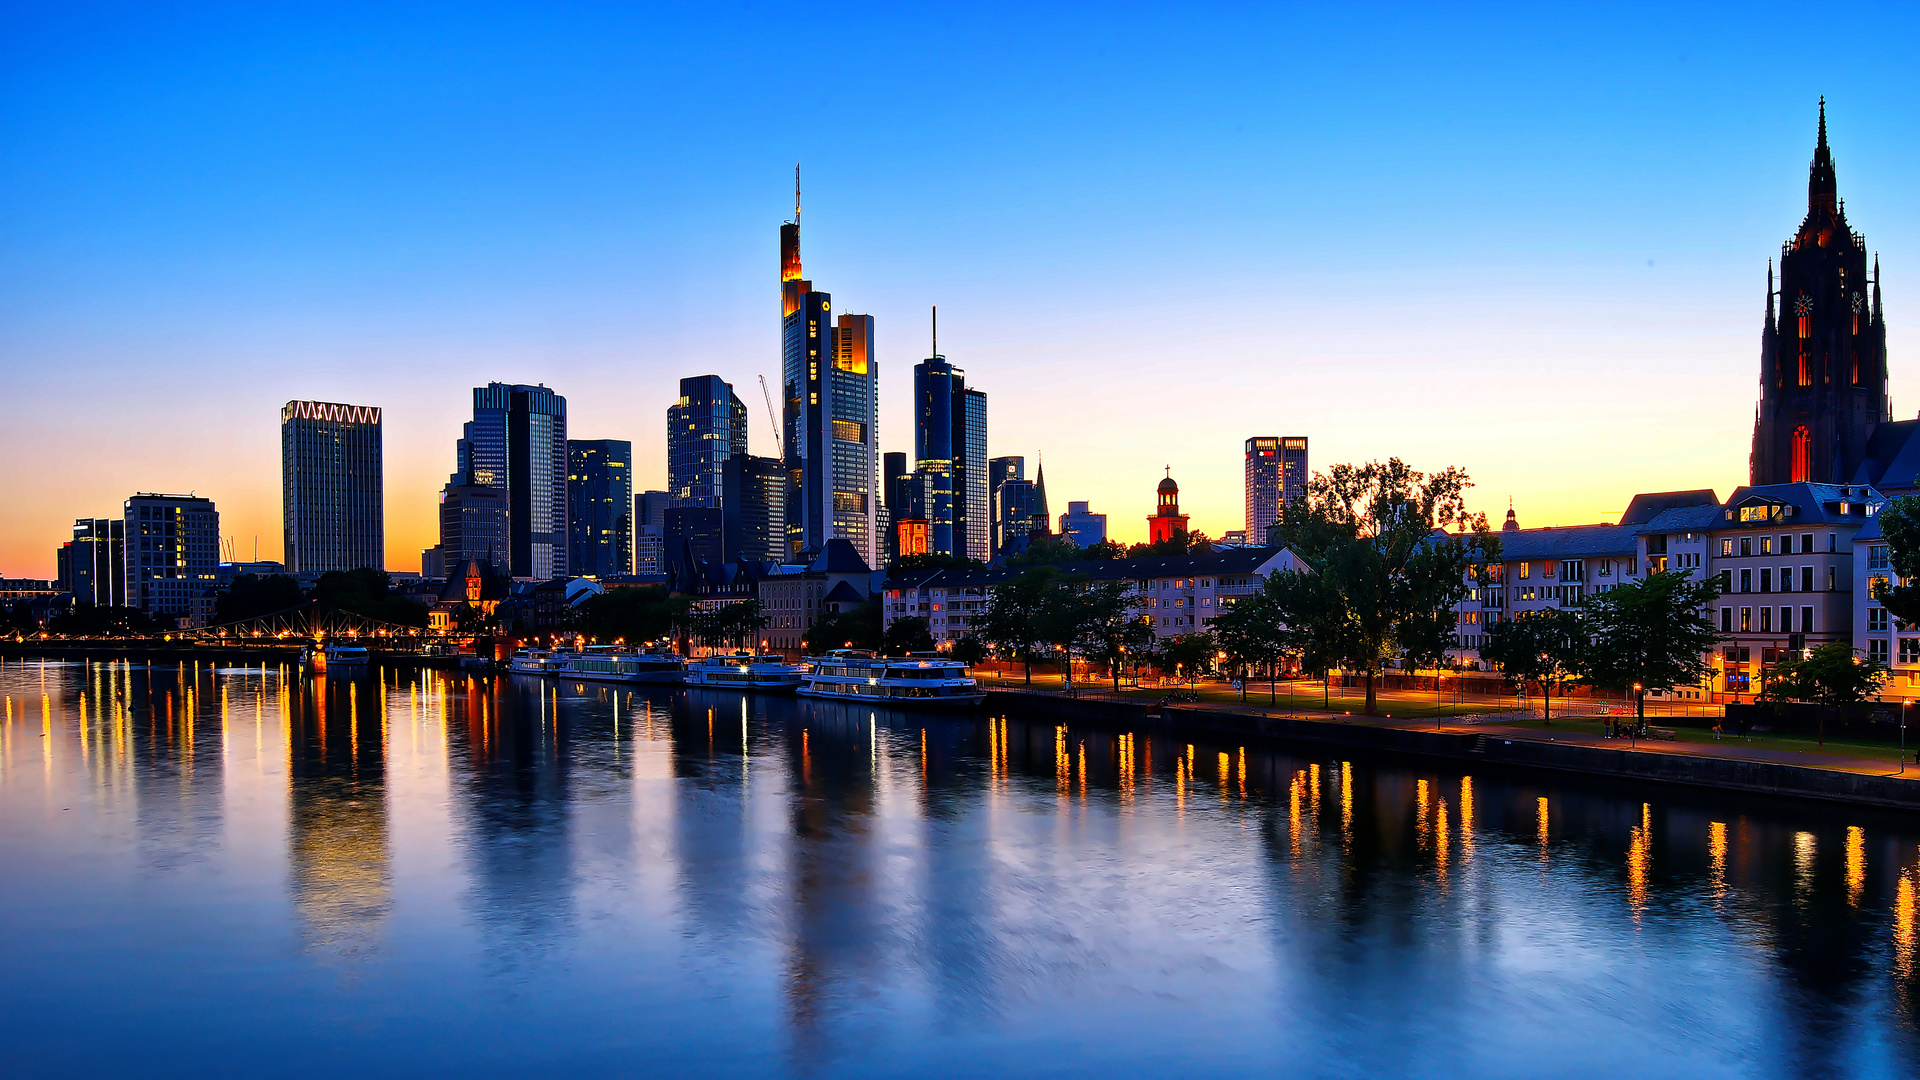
(969, 650)
(1104, 551)
(1900, 524)
(903, 636)
(1106, 624)
(630, 613)
(1180, 543)
(1830, 675)
(368, 592)
(735, 624)
(251, 596)
(1547, 647)
(1013, 621)
(1379, 574)
(1191, 654)
(907, 564)
(1252, 635)
(856, 629)
(1650, 634)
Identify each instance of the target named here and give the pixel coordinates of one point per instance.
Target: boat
(600, 664)
(346, 656)
(745, 671)
(919, 680)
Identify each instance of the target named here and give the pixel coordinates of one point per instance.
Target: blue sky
(1530, 242)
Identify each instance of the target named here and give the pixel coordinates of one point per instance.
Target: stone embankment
(1645, 763)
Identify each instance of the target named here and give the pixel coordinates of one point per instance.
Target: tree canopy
(1829, 675)
(1900, 524)
(1652, 633)
(1547, 647)
(1380, 575)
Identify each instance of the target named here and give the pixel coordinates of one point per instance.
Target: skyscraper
(517, 440)
(93, 564)
(705, 427)
(950, 447)
(331, 487)
(1276, 476)
(649, 532)
(830, 412)
(1082, 526)
(600, 507)
(1823, 365)
(473, 527)
(172, 545)
(999, 471)
(754, 508)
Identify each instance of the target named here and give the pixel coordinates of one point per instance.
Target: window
(1746, 545)
(1573, 570)
(1876, 620)
(1802, 441)
(1833, 542)
(1786, 620)
(1746, 581)
(1766, 620)
(1766, 545)
(1726, 620)
(1806, 543)
(1786, 579)
(1606, 568)
(1831, 583)
(1746, 620)
(849, 431)
(1806, 579)
(1726, 546)
(1766, 580)
(1526, 571)
(1786, 545)
(1910, 650)
(1806, 620)
(1877, 650)
(1877, 557)
(850, 502)
(1877, 586)
(1726, 581)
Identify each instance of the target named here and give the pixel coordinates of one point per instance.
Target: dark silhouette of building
(950, 447)
(753, 508)
(93, 564)
(517, 441)
(695, 541)
(600, 517)
(1823, 362)
(705, 427)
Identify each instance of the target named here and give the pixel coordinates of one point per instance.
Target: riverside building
(332, 495)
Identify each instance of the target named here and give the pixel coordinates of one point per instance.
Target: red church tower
(1167, 521)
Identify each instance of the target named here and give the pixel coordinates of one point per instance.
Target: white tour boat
(346, 656)
(601, 664)
(745, 671)
(918, 680)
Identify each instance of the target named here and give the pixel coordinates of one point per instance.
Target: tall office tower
(972, 516)
(705, 427)
(830, 415)
(649, 531)
(1823, 366)
(1276, 476)
(172, 551)
(753, 509)
(600, 507)
(517, 440)
(473, 527)
(93, 564)
(999, 471)
(332, 497)
(1015, 500)
(950, 446)
(1082, 526)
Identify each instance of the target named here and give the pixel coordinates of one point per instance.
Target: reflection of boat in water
(918, 681)
(745, 671)
(601, 664)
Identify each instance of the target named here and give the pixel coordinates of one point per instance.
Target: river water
(251, 871)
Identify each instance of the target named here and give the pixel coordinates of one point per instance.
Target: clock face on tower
(1859, 303)
(1803, 305)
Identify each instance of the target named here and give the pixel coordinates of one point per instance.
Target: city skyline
(1606, 322)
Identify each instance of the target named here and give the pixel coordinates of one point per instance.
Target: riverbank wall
(188, 654)
(1649, 766)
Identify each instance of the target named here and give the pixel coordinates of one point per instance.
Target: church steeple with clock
(1823, 361)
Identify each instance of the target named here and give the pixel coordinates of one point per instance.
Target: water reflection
(802, 887)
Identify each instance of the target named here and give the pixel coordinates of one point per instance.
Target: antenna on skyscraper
(796, 193)
(936, 331)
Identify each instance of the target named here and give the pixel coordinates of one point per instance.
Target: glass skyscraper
(1276, 476)
(830, 412)
(332, 496)
(172, 547)
(517, 440)
(950, 449)
(705, 427)
(600, 507)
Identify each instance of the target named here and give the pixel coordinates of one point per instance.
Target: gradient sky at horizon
(1529, 242)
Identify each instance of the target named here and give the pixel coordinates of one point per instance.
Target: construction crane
(779, 450)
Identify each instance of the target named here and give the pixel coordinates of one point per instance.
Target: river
(252, 871)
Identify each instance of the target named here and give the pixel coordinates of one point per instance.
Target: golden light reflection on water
(1803, 845)
(1856, 856)
(1903, 924)
(1466, 818)
(1421, 832)
(1542, 826)
(1717, 859)
(1346, 802)
(1640, 861)
(1293, 818)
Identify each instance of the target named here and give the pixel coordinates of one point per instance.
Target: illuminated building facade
(1823, 361)
(950, 448)
(1276, 476)
(1167, 521)
(473, 527)
(705, 427)
(600, 507)
(1082, 526)
(172, 550)
(332, 500)
(517, 441)
(830, 414)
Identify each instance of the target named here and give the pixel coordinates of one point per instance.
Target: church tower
(1823, 360)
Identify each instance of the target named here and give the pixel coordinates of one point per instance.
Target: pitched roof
(843, 593)
(1680, 519)
(1567, 542)
(1643, 508)
(1892, 457)
(1812, 504)
(839, 556)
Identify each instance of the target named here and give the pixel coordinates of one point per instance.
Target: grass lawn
(1801, 743)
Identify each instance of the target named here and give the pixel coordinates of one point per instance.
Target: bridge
(312, 623)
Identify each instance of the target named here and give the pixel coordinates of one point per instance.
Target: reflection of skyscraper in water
(835, 918)
(712, 846)
(514, 801)
(337, 844)
(960, 936)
